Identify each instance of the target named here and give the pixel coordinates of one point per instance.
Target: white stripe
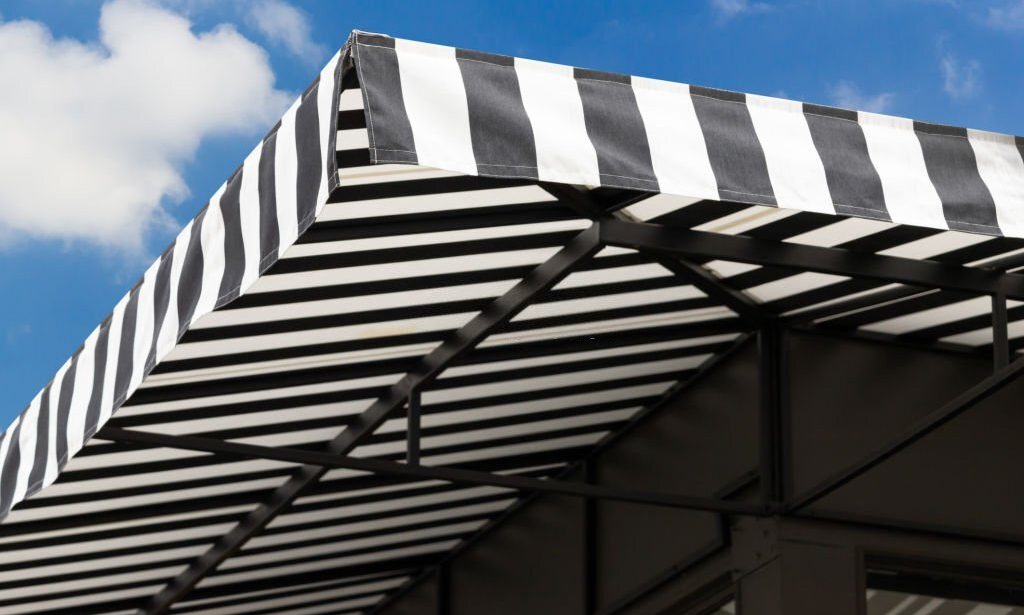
(286, 180)
(910, 197)
(678, 152)
(659, 205)
(1002, 170)
(52, 467)
(26, 450)
(84, 373)
(325, 113)
(113, 351)
(435, 101)
(169, 329)
(350, 100)
(212, 239)
(794, 167)
(552, 102)
(249, 216)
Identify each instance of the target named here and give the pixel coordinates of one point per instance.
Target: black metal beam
(503, 309)
(590, 552)
(1000, 333)
(447, 474)
(585, 204)
(746, 308)
(412, 435)
(838, 308)
(770, 377)
(921, 428)
(810, 258)
(444, 589)
(648, 412)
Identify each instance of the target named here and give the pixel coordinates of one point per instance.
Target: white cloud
(727, 9)
(1007, 16)
(848, 96)
(960, 78)
(95, 135)
(285, 25)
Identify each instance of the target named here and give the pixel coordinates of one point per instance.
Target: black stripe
(410, 563)
(388, 124)
(161, 300)
(411, 224)
(270, 237)
(187, 607)
(309, 160)
(234, 244)
(9, 471)
(420, 187)
(92, 413)
(190, 280)
(493, 353)
(425, 252)
(67, 390)
(966, 202)
(412, 309)
(852, 179)
(212, 503)
(353, 604)
(342, 551)
(412, 282)
(126, 355)
(896, 309)
(698, 213)
(832, 112)
(963, 325)
(35, 477)
(616, 129)
(733, 147)
(499, 127)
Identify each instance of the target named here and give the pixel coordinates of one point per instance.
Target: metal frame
(835, 261)
(680, 251)
(771, 381)
(447, 474)
(589, 206)
(472, 333)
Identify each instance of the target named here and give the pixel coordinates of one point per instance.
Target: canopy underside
(399, 260)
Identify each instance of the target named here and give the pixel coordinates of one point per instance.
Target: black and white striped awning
(418, 199)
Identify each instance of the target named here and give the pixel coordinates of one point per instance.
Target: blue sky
(124, 137)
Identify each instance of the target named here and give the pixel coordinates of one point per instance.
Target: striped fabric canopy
(497, 116)
(408, 189)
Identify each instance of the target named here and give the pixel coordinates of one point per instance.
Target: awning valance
(497, 116)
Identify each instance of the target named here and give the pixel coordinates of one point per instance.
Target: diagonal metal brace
(503, 309)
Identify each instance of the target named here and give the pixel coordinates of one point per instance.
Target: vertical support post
(780, 574)
(1000, 333)
(771, 466)
(412, 456)
(589, 543)
(444, 589)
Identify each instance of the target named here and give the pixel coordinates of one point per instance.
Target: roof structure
(446, 274)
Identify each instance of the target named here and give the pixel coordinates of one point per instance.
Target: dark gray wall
(533, 563)
(845, 397)
(849, 397)
(422, 598)
(698, 444)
